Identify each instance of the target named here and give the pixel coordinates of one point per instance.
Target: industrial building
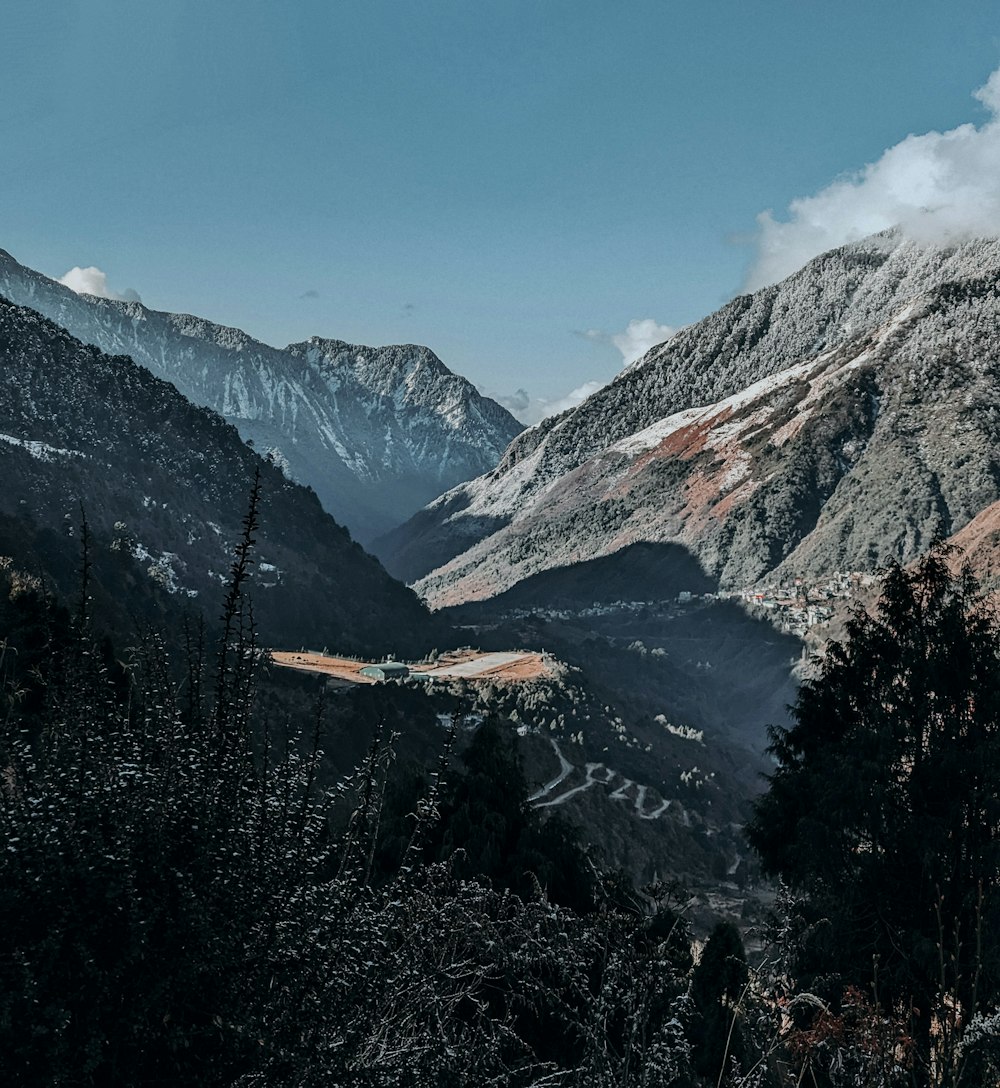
(386, 670)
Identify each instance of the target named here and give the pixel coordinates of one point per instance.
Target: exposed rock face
(164, 485)
(376, 432)
(840, 418)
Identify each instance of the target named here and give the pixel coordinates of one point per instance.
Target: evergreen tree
(488, 829)
(174, 907)
(884, 810)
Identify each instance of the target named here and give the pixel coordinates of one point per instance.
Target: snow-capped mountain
(164, 487)
(837, 419)
(376, 432)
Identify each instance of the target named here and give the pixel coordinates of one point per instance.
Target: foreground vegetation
(181, 902)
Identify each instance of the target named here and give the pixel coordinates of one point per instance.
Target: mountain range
(164, 486)
(376, 432)
(843, 417)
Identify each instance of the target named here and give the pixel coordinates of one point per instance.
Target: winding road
(597, 774)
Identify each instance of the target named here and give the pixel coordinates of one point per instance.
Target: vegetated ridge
(164, 486)
(843, 417)
(376, 432)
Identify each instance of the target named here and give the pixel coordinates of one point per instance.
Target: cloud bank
(530, 410)
(938, 187)
(635, 340)
(92, 281)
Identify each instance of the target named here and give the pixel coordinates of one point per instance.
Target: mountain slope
(165, 483)
(844, 416)
(376, 432)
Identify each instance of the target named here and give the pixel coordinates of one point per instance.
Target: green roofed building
(386, 670)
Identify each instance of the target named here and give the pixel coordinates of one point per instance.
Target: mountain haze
(376, 432)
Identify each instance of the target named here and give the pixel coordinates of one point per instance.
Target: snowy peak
(413, 378)
(834, 297)
(377, 432)
(835, 420)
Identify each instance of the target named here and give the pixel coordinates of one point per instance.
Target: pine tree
(884, 810)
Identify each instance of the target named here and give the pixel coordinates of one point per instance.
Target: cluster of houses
(798, 606)
(607, 609)
(794, 606)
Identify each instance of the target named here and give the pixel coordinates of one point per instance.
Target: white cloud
(530, 410)
(572, 399)
(635, 340)
(936, 187)
(639, 337)
(517, 402)
(633, 343)
(92, 281)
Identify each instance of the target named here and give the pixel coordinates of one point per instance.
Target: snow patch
(685, 732)
(650, 437)
(41, 451)
(161, 569)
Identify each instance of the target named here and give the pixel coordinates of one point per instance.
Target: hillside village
(798, 606)
(795, 606)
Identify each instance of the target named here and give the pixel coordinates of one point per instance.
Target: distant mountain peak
(376, 431)
(164, 483)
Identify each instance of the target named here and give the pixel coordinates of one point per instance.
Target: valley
(665, 557)
(499, 545)
(629, 596)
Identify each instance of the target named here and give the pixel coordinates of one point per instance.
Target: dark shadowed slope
(167, 483)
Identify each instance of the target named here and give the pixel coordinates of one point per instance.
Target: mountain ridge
(374, 450)
(847, 420)
(163, 484)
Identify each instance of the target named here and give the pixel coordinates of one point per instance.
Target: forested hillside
(842, 418)
(163, 486)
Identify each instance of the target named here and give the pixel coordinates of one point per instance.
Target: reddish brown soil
(338, 668)
(979, 542)
(528, 666)
(685, 442)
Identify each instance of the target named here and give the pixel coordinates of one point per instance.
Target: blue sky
(493, 179)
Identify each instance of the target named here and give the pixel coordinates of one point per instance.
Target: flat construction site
(475, 665)
(454, 665)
